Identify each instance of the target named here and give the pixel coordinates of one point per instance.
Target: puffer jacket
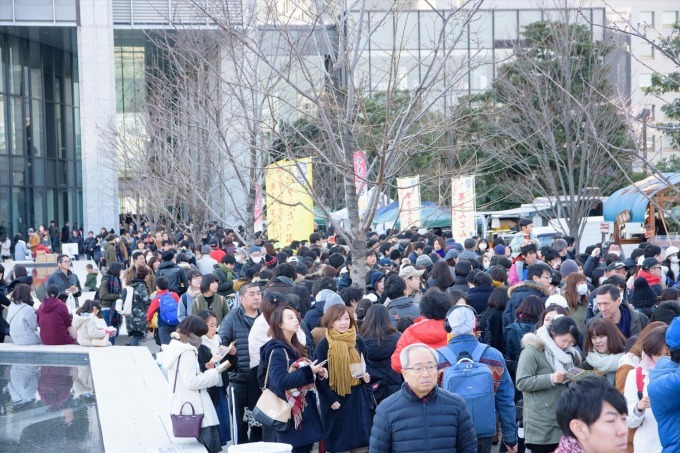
(402, 307)
(384, 379)
(516, 332)
(428, 331)
(540, 396)
(438, 423)
(177, 279)
(517, 294)
(479, 297)
(663, 388)
(88, 330)
(315, 312)
(236, 326)
(23, 325)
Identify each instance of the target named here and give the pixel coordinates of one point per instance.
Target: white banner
(463, 208)
(408, 191)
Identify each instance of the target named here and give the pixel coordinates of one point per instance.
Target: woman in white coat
(23, 324)
(90, 326)
(191, 386)
(640, 413)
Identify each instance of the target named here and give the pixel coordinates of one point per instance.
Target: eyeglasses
(65, 261)
(420, 368)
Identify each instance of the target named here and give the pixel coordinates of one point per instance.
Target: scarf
(113, 284)
(603, 362)
(296, 397)
(569, 445)
(651, 279)
(212, 343)
(558, 359)
(341, 352)
(193, 339)
(226, 270)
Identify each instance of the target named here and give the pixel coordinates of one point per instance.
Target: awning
(432, 215)
(635, 198)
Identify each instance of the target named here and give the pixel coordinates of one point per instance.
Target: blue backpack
(168, 309)
(472, 381)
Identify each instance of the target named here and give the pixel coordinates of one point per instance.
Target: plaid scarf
(296, 396)
(569, 445)
(113, 285)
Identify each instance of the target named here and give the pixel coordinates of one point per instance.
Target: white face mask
(324, 245)
(238, 258)
(482, 247)
(673, 259)
(615, 252)
(582, 289)
(602, 279)
(256, 259)
(486, 265)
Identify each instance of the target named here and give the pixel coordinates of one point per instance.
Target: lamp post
(644, 117)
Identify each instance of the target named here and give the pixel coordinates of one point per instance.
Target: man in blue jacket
(422, 417)
(664, 388)
(461, 324)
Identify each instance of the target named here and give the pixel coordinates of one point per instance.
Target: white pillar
(96, 71)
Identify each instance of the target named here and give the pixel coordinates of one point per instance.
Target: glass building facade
(40, 154)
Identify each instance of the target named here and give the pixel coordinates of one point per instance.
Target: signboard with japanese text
(289, 204)
(408, 192)
(463, 208)
(259, 209)
(360, 173)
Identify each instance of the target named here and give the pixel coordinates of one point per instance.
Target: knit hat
(255, 249)
(462, 321)
(568, 267)
(673, 334)
(643, 296)
(332, 299)
(499, 250)
(557, 300)
(168, 256)
(425, 261)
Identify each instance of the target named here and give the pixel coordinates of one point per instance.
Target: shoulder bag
(188, 425)
(271, 410)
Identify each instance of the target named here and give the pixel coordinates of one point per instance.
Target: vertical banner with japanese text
(360, 173)
(289, 204)
(408, 192)
(259, 209)
(463, 207)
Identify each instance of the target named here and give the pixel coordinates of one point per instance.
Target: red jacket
(54, 321)
(153, 308)
(428, 331)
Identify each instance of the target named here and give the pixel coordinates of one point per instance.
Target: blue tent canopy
(432, 215)
(635, 198)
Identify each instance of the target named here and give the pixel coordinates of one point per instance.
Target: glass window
(70, 173)
(76, 85)
(505, 29)
(481, 31)
(4, 167)
(3, 138)
(407, 30)
(38, 205)
(15, 66)
(598, 22)
(17, 126)
(58, 77)
(68, 80)
(645, 80)
(36, 72)
(18, 209)
(68, 132)
(51, 172)
(39, 172)
(2, 62)
(51, 202)
(646, 19)
(430, 28)
(76, 123)
(4, 208)
(382, 31)
(18, 178)
(61, 172)
(59, 128)
(37, 126)
(79, 173)
(669, 18)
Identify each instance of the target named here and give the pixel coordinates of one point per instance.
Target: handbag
(185, 425)
(271, 410)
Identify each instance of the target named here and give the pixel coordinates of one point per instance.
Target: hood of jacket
(80, 320)
(528, 286)
(428, 331)
(50, 304)
(481, 289)
(28, 280)
(522, 327)
(170, 353)
(322, 295)
(285, 280)
(663, 367)
(400, 302)
(531, 339)
(166, 265)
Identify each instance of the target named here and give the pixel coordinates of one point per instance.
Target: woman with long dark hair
(89, 325)
(23, 325)
(292, 376)
(381, 339)
(491, 320)
(346, 398)
(576, 292)
(440, 277)
(109, 291)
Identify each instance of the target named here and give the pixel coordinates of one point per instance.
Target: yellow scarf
(341, 352)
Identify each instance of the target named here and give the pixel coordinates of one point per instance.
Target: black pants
(241, 402)
(540, 448)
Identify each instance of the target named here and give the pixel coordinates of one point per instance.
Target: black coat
(438, 423)
(204, 356)
(310, 430)
(384, 380)
(314, 315)
(459, 284)
(236, 326)
(349, 426)
(517, 294)
(177, 279)
(479, 297)
(491, 328)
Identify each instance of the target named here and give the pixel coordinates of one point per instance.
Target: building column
(96, 71)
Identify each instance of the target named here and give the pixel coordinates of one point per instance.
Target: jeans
(484, 444)
(106, 314)
(164, 331)
(135, 340)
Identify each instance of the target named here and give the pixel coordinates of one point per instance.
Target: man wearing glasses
(65, 279)
(421, 416)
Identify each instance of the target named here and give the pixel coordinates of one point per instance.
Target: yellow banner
(289, 204)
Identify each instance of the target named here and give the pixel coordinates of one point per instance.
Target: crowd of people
(565, 351)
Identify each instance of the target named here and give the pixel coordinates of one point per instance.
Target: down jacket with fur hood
(540, 395)
(517, 294)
